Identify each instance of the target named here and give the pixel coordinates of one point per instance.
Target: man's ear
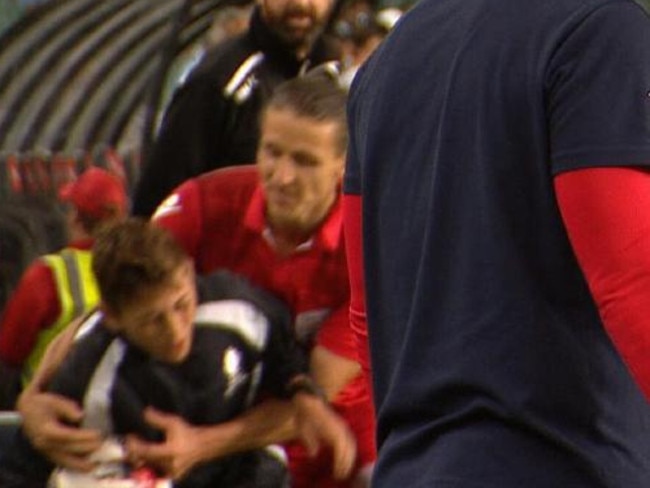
(111, 321)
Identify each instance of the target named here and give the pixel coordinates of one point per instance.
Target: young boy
(150, 345)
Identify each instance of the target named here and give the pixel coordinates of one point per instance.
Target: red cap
(95, 193)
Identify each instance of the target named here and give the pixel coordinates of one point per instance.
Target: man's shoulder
(233, 180)
(211, 200)
(218, 194)
(220, 62)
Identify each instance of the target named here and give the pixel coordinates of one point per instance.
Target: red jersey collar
(326, 236)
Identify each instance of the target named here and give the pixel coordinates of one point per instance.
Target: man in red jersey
(279, 224)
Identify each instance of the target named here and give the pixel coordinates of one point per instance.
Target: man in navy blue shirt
(498, 173)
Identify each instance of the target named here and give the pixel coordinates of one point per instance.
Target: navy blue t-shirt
(491, 365)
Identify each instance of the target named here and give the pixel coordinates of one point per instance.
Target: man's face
(160, 319)
(296, 22)
(301, 164)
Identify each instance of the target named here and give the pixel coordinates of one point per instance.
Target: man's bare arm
(54, 355)
(307, 417)
(50, 420)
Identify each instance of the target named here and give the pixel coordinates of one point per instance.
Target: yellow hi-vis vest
(78, 294)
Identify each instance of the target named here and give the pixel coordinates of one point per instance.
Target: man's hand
(49, 420)
(318, 424)
(174, 457)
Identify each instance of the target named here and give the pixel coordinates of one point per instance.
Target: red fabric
(95, 192)
(315, 472)
(351, 404)
(33, 306)
(338, 339)
(354, 249)
(219, 218)
(607, 215)
(358, 325)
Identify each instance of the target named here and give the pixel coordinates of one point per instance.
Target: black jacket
(212, 121)
(235, 359)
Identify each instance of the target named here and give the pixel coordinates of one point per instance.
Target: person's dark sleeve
(187, 143)
(22, 466)
(283, 358)
(606, 212)
(9, 386)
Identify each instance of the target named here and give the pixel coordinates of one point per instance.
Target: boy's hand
(174, 457)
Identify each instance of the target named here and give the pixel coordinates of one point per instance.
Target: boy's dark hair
(133, 254)
(316, 96)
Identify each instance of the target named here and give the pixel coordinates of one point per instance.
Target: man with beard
(212, 120)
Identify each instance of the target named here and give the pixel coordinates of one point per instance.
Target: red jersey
(33, 306)
(219, 218)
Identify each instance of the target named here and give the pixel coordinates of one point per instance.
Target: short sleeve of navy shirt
(491, 365)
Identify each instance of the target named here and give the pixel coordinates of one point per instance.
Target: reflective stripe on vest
(77, 292)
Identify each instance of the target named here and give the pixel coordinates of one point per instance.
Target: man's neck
(302, 52)
(77, 233)
(287, 238)
(287, 241)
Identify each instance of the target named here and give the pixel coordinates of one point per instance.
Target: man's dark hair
(316, 96)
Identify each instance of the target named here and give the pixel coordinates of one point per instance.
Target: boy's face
(160, 320)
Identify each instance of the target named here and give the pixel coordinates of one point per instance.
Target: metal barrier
(9, 424)
(79, 74)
